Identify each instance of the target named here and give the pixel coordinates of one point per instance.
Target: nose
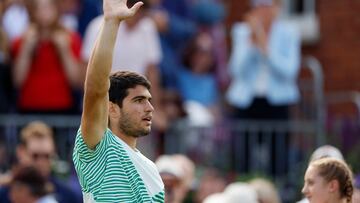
(149, 107)
(304, 189)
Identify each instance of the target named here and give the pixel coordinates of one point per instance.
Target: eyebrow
(140, 97)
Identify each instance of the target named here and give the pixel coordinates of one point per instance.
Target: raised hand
(118, 10)
(61, 40)
(31, 38)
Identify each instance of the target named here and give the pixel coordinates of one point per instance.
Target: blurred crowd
(180, 45)
(176, 45)
(30, 179)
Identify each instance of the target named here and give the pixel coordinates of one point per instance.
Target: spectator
(29, 186)
(264, 66)
(215, 198)
(177, 22)
(265, 190)
(177, 123)
(326, 151)
(37, 149)
(46, 65)
(235, 193)
(76, 14)
(177, 173)
(328, 180)
(173, 22)
(211, 182)
(199, 66)
(5, 79)
(15, 9)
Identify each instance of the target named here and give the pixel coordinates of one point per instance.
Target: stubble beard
(130, 128)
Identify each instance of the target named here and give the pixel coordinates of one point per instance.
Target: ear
(21, 153)
(333, 185)
(114, 110)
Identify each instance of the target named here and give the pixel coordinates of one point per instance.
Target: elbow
(96, 89)
(18, 80)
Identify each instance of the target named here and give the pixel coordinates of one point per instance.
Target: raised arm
(95, 111)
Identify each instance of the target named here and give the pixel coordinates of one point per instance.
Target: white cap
(240, 192)
(216, 198)
(326, 151)
(167, 164)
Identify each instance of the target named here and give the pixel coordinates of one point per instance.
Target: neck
(343, 200)
(129, 140)
(337, 200)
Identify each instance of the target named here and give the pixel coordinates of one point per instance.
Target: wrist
(112, 20)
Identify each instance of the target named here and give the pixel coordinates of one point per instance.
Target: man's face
(136, 112)
(39, 153)
(20, 193)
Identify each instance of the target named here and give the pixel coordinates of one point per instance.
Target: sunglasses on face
(37, 156)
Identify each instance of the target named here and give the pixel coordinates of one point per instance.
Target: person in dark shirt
(37, 149)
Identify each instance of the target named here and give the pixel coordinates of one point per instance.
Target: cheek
(18, 195)
(319, 192)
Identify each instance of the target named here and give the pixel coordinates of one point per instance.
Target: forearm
(22, 67)
(71, 67)
(94, 118)
(96, 98)
(285, 59)
(99, 66)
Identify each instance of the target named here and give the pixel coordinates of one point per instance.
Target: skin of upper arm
(94, 118)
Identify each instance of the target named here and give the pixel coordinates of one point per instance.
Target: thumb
(136, 7)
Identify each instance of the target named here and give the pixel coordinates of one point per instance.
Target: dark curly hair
(32, 178)
(121, 81)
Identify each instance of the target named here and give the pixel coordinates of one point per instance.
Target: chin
(143, 133)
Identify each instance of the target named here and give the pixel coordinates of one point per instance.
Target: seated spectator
(29, 186)
(265, 190)
(328, 180)
(46, 58)
(177, 22)
(235, 193)
(177, 122)
(177, 173)
(326, 151)
(198, 70)
(211, 182)
(37, 149)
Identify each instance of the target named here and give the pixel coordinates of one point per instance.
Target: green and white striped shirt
(114, 172)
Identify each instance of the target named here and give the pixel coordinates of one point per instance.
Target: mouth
(147, 119)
